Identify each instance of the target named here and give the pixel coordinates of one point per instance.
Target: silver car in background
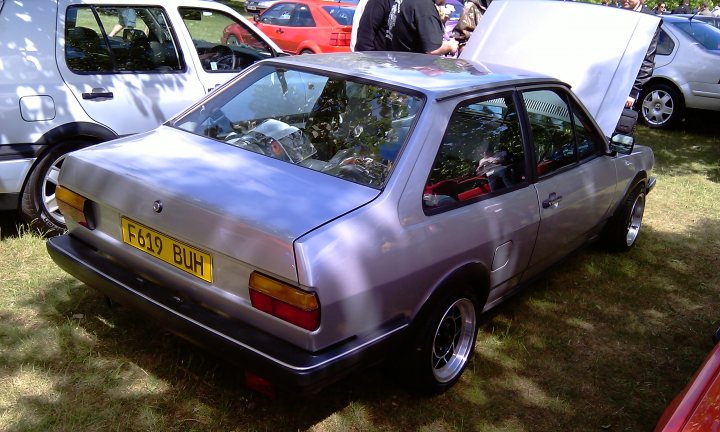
(686, 75)
(320, 213)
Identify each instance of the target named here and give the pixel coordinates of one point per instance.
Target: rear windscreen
(705, 34)
(343, 15)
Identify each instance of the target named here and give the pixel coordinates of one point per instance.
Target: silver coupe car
(320, 213)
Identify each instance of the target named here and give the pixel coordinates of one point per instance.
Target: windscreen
(335, 125)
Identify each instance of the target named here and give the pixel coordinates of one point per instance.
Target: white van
(78, 72)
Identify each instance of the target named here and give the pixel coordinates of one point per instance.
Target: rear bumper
(274, 359)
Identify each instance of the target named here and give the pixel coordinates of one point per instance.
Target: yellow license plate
(173, 252)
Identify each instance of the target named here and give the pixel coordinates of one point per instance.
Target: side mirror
(622, 144)
(256, 17)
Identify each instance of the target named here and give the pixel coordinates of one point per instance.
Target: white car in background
(687, 72)
(71, 76)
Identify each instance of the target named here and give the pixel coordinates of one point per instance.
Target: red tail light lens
(340, 39)
(284, 301)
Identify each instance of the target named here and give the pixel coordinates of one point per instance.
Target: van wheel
(38, 206)
(445, 342)
(660, 106)
(623, 228)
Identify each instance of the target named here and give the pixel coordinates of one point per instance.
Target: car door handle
(552, 201)
(279, 31)
(98, 94)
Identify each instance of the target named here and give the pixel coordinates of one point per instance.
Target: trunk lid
(216, 196)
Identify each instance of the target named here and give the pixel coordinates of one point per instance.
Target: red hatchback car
(308, 27)
(697, 407)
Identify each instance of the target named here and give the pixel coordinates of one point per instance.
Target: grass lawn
(601, 342)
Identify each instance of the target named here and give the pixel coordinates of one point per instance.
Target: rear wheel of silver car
(624, 227)
(661, 106)
(445, 342)
(39, 207)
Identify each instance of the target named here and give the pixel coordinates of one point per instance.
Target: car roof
(691, 16)
(438, 77)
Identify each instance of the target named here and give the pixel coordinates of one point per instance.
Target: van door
(124, 65)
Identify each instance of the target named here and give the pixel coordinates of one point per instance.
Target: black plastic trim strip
(20, 151)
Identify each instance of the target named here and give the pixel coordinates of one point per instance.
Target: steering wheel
(363, 170)
(223, 57)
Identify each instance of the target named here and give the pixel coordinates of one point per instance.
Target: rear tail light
(340, 39)
(284, 301)
(74, 206)
(259, 384)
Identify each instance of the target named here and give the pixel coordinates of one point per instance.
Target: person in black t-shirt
(415, 26)
(372, 28)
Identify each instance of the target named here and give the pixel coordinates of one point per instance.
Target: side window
(278, 14)
(120, 39)
(302, 17)
(86, 49)
(665, 44)
(562, 133)
(481, 153)
(552, 130)
(223, 43)
(589, 141)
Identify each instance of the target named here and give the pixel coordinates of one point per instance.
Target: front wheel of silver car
(445, 343)
(38, 206)
(661, 106)
(624, 228)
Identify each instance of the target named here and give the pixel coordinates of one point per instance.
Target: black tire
(38, 207)
(623, 228)
(444, 343)
(307, 51)
(233, 40)
(661, 106)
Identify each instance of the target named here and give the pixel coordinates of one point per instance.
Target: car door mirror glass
(622, 144)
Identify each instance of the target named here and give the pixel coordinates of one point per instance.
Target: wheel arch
(473, 275)
(91, 132)
(665, 81)
(640, 178)
(309, 45)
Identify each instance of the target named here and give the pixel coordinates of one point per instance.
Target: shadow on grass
(602, 341)
(692, 147)
(9, 224)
